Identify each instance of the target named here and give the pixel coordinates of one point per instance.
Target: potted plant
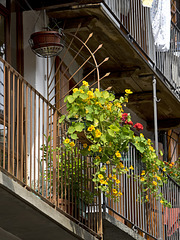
(110, 131)
(46, 43)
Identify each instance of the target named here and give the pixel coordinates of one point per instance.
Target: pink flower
(124, 116)
(138, 126)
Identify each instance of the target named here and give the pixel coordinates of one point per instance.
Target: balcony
(126, 33)
(47, 187)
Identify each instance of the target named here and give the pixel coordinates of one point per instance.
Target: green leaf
(79, 127)
(89, 117)
(70, 99)
(114, 128)
(97, 94)
(62, 118)
(101, 118)
(90, 109)
(96, 122)
(111, 132)
(102, 100)
(74, 136)
(111, 97)
(71, 130)
(84, 96)
(161, 153)
(105, 94)
(103, 138)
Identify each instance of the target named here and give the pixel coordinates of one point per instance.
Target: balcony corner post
(54, 155)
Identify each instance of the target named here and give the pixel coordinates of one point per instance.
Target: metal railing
(136, 20)
(31, 150)
(150, 219)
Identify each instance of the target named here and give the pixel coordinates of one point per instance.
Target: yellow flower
(114, 177)
(154, 183)
(101, 181)
(87, 111)
(142, 179)
(90, 94)
(128, 91)
(141, 135)
(108, 162)
(85, 145)
(105, 182)
(158, 178)
(120, 193)
(117, 181)
(107, 179)
(118, 105)
(85, 83)
(131, 167)
(72, 144)
(66, 140)
(121, 165)
(118, 154)
(97, 133)
(126, 169)
(89, 129)
(100, 176)
(151, 148)
(100, 149)
(114, 191)
(97, 90)
(97, 157)
(89, 149)
(143, 172)
(104, 168)
(147, 197)
(110, 176)
(149, 141)
(75, 90)
(170, 165)
(164, 170)
(161, 201)
(81, 91)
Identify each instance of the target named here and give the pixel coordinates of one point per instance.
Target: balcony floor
(114, 229)
(25, 216)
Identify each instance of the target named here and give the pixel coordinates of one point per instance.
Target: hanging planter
(46, 43)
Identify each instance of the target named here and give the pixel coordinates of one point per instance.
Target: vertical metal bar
(26, 154)
(155, 115)
(13, 123)
(39, 116)
(17, 171)
(9, 118)
(34, 141)
(54, 155)
(22, 127)
(47, 149)
(30, 137)
(4, 138)
(50, 157)
(43, 150)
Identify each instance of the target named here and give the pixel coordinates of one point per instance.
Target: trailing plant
(109, 131)
(71, 173)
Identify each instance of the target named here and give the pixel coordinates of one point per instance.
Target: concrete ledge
(114, 229)
(43, 209)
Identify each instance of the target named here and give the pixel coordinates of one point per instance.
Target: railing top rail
(28, 84)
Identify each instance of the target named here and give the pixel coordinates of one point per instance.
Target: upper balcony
(124, 28)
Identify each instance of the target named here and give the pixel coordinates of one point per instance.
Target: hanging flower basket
(46, 43)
